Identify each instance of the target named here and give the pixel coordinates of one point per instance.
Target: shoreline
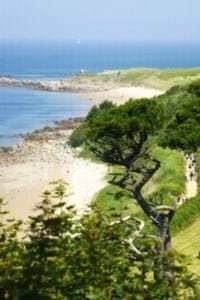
(28, 169)
(95, 89)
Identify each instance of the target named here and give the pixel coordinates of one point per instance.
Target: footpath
(191, 179)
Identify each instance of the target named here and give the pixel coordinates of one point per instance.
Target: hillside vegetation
(136, 241)
(169, 181)
(161, 79)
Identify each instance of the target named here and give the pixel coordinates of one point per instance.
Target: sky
(109, 20)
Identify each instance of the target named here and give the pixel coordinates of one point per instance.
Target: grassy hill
(161, 185)
(169, 181)
(162, 79)
(187, 242)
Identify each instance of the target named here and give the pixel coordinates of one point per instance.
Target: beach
(120, 94)
(96, 89)
(28, 169)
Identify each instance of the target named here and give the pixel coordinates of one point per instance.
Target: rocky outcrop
(76, 84)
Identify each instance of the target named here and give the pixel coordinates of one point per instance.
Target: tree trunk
(163, 263)
(164, 233)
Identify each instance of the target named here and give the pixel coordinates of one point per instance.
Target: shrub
(79, 136)
(186, 214)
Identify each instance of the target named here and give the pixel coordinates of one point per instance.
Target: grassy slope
(186, 223)
(187, 241)
(162, 79)
(172, 166)
(169, 181)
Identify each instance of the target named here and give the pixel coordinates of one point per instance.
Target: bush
(64, 257)
(194, 88)
(186, 214)
(79, 136)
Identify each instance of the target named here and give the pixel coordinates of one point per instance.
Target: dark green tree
(183, 131)
(88, 258)
(121, 136)
(194, 88)
(11, 255)
(48, 244)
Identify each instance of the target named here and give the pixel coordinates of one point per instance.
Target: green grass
(168, 181)
(187, 242)
(154, 78)
(197, 157)
(186, 227)
(85, 153)
(112, 201)
(187, 214)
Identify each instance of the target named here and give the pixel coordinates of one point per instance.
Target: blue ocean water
(24, 110)
(57, 59)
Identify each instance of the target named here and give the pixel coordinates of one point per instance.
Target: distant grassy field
(162, 79)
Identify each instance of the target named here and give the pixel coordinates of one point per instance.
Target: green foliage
(186, 214)
(116, 135)
(197, 158)
(64, 257)
(183, 130)
(11, 251)
(154, 78)
(163, 184)
(187, 242)
(128, 119)
(47, 248)
(104, 106)
(112, 199)
(194, 88)
(79, 135)
(85, 153)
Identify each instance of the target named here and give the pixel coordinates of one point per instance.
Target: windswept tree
(49, 239)
(121, 136)
(11, 255)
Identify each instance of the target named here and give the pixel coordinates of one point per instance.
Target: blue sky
(131, 20)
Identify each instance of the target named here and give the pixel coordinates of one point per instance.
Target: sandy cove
(95, 89)
(26, 172)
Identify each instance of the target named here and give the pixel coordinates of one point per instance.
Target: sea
(24, 110)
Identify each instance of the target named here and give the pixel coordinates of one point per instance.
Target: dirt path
(191, 186)
(191, 177)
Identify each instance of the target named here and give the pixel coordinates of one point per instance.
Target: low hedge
(188, 213)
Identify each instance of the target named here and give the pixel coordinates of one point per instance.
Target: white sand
(24, 179)
(22, 183)
(121, 94)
